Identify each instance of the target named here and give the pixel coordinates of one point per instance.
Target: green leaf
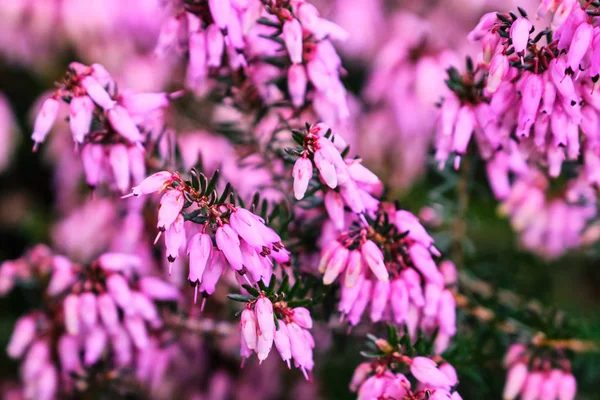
(392, 335)
(252, 290)
(300, 303)
(268, 22)
(272, 283)
(368, 354)
(240, 297)
(226, 192)
(262, 286)
(213, 181)
(285, 284)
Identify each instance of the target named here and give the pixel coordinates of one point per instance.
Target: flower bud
(95, 342)
(22, 336)
(302, 173)
(97, 93)
(229, 243)
(297, 82)
(373, 258)
(81, 112)
(519, 33)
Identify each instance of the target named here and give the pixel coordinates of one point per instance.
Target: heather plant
(204, 225)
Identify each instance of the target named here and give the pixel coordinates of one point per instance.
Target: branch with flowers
(232, 210)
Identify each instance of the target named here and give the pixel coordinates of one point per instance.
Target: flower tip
(177, 94)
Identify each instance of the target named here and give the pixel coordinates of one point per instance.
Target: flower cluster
(383, 254)
(530, 377)
(264, 322)
(387, 377)
(390, 266)
(405, 83)
(549, 225)
(355, 185)
(102, 311)
(255, 43)
(110, 126)
(529, 106)
(217, 232)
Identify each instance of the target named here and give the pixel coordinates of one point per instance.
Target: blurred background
(43, 198)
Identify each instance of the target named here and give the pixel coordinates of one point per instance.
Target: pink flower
(213, 272)
(465, 124)
(297, 82)
(197, 66)
(229, 243)
(532, 94)
(372, 388)
(582, 39)
(499, 67)
(567, 387)
(137, 330)
(97, 93)
(45, 119)
(200, 250)
(248, 328)
(108, 312)
(266, 327)
(292, 36)
(221, 12)
(151, 184)
(379, 300)
(301, 350)
(399, 300)
(354, 268)
(519, 33)
(214, 46)
(360, 375)
(170, 206)
(247, 226)
(144, 103)
(115, 262)
(302, 173)
(118, 288)
(81, 114)
(71, 310)
(302, 317)
(68, 352)
(95, 342)
(88, 314)
(158, 289)
(412, 280)
(361, 302)
(119, 162)
(22, 336)
(448, 271)
(373, 258)
(423, 261)
(426, 371)
(92, 157)
(121, 122)
(514, 381)
(175, 238)
(282, 342)
(336, 265)
(447, 313)
(533, 384)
